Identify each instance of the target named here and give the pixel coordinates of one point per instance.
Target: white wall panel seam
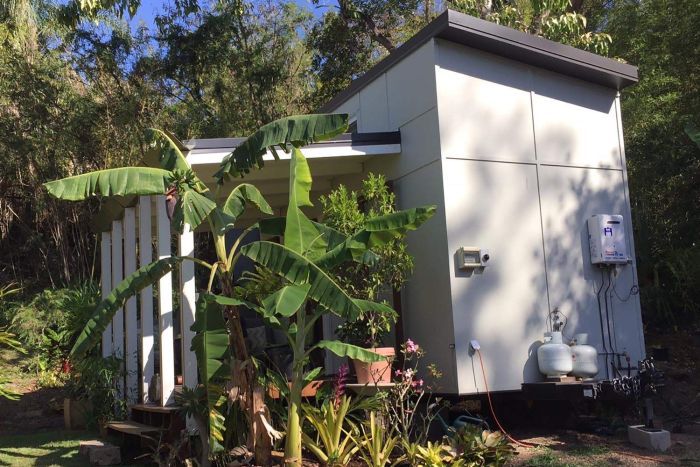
(539, 193)
(522, 162)
(412, 171)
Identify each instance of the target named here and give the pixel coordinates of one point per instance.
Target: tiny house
(518, 142)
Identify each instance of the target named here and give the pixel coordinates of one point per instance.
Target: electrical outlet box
(606, 236)
(471, 257)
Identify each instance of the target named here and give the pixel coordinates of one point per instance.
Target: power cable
(607, 313)
(602, 327)
(493, 413)
(634, 290)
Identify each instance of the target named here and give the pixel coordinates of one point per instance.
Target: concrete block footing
(649, 438)
(100, 452)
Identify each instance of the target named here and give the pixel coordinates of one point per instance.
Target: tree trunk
(243, 375)
(292, 447)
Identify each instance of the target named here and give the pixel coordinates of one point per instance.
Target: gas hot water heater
(606, 235)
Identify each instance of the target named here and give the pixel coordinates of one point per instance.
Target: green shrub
(482, 447)
(671, 298)
(48, 324)
(94, 378)
(347, 212)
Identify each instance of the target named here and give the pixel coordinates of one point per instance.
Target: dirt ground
(677, 410)
(38, 409)
(570, 448)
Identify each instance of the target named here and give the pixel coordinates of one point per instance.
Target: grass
(546, 459)
(48, 448)
(11, 365)
(579, 456)
(589, 451)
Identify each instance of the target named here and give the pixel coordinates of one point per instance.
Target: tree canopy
(79, 82)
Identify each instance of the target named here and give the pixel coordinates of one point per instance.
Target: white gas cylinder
(585, 357)
(554, 357)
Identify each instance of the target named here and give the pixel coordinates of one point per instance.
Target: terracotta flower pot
(376, 372)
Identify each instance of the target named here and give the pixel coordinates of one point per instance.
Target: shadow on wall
(569, 197)
(508, 305)
(496, 208)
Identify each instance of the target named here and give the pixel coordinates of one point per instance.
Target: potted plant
(94, 398)
(348, 212)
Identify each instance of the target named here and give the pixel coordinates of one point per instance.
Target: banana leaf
(192, 208)
(164, 151)
(242, 194)
(367, 305)
(211, 347)
(210, 344)
(377, 231)
(235, 204)
(300, 234)
(383, 229)
(301, 271)
(298, 130)
(287, 300)
(342, 349)
(111, 182)
(103, 314)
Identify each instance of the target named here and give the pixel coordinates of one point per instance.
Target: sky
(150, 8)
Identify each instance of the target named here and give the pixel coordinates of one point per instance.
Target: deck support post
(188, 306)
(146, 298)
(130, 319)
(188, 299)
(106, 286)
(117, 277)
(165, 308)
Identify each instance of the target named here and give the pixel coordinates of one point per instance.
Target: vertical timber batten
(117, 277)
(106, 285)
(187, 303)
(131, 324)
(165, 308)
(146, 257)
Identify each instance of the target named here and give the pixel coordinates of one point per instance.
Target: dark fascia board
(353, 139)
(506, 42)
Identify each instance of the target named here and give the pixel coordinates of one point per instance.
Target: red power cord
(493, 413)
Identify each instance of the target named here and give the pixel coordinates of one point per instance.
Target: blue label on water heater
(607, 232)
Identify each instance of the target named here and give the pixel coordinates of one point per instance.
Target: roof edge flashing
(513, 37)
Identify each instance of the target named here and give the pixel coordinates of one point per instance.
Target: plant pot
(75, 413)
(376, 372)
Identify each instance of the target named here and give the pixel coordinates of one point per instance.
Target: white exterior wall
(528, 155)
(405, 98)
(516, 158)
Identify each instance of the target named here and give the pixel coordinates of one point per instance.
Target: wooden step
(132, 428)
(155, 408)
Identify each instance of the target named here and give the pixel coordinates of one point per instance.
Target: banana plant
(308, 250)
(168, 173)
